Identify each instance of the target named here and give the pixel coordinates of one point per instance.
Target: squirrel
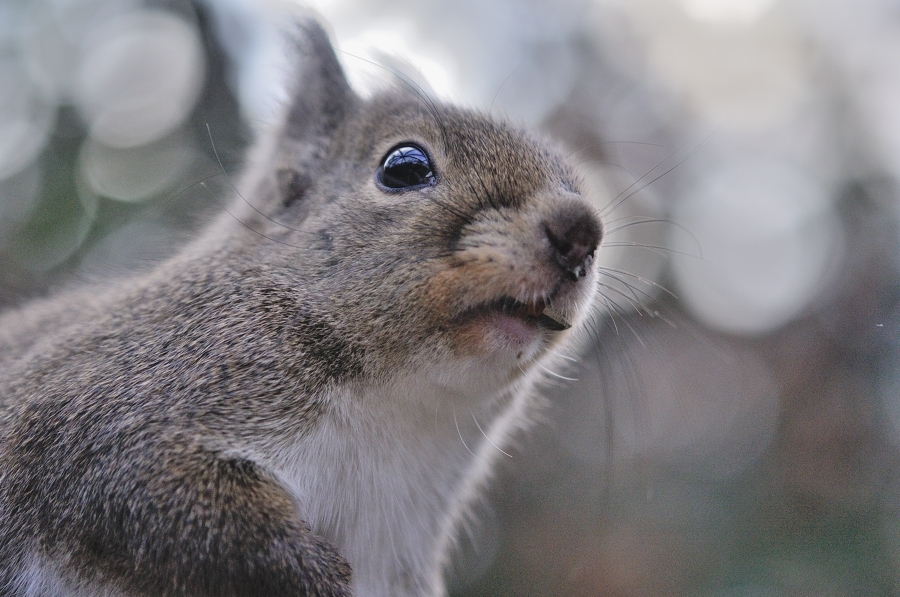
(305, 398)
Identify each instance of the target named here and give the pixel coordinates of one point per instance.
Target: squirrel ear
(320, 95)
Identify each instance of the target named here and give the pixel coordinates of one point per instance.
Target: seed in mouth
(544, 315)
(557, 321)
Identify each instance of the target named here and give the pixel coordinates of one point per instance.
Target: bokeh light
(768, 241)
(136, 173)
(140, 79)
(26, 119)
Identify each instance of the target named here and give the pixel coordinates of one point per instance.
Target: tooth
(558, 317)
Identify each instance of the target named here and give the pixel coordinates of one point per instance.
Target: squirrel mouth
(537, 313)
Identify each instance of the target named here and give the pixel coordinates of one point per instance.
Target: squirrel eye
(406, 167)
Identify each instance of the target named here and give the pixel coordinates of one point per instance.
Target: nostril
(573, 236)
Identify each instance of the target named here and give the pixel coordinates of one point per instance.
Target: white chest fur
(387, 473)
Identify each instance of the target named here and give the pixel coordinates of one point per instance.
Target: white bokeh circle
(765, 240)
(140, 78)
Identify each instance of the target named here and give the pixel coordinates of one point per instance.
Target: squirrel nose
(574, 233)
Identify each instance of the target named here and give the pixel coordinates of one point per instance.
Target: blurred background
(733, 428)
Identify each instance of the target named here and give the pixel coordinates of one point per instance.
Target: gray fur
(296, 388)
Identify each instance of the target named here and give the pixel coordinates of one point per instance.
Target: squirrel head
(426, 236)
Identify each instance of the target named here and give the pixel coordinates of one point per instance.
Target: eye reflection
(406, 167)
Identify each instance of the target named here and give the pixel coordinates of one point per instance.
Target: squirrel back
(321, 381)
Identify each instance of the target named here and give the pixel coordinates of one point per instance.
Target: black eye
(406, 167)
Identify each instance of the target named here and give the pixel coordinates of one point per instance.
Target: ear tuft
(321, 96)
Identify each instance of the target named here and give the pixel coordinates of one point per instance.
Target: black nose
(574, 233)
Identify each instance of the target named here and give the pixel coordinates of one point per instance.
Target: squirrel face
(430, 234)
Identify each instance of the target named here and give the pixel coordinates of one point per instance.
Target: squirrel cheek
(464, 297)
(465, 283)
